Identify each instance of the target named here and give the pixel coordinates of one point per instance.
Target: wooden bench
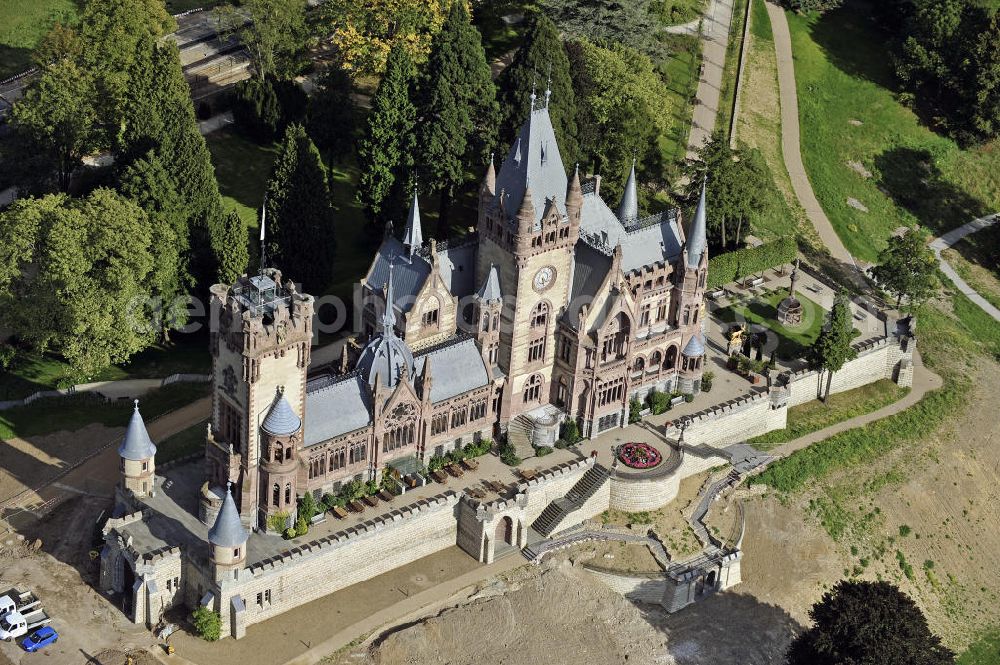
(357, 506)
(386, 496)
(528, 474)
(371, 500)
(411, 481)
(470, 464)
(440, 476)
(339, 512)
(475, 492)
(454, 470)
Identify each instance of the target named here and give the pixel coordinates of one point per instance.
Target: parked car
(42, 637)
(15, 624)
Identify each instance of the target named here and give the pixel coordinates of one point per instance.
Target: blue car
(42, 637)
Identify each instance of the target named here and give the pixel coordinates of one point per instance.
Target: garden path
(715, 33)
(947, 240)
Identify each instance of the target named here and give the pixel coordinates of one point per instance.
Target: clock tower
(260, 342)
(529, 222)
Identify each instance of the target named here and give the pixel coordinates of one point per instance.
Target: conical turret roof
(281, 419)
(414, 236)
(228, 531)
(695, 347)
(136, 445)
(628, 208)
(490, 291)
(697, 237)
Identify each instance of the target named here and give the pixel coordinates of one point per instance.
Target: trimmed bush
(278, 522)
(659, 402)
(571, 432)
(733, 266)
(207, 624)
(301, 527)
(542, 451)
(289, 533)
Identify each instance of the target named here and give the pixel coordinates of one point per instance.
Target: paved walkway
(952, 237)
(924, 381)
(715, 33)
(790, 147)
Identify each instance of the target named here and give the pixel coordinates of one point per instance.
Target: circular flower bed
(639, 455)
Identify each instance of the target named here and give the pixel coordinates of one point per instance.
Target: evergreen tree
(907, 267)
(332, 113)
(385, 154)
(231, 249)
(300, 227)
(833, 346)
(458, 110)
(541, 61)
(867, 623)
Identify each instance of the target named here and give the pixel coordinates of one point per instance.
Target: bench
(339, 512)
(385, 496)
(716, 294)
(476, 493)
(356, 506)
(454, 470)
(440, 476)
(371, 500)
(528, 474)
(470, 464)
(751, 282)
(411, 481)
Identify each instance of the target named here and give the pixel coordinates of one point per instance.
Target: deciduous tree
(907, 267)
(867, 623)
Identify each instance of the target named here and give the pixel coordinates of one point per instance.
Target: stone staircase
(558, 510)
(519, 433)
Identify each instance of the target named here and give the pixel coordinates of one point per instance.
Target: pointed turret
(389, 315)
(281, 419)
(414, 236)
(574, 197)
(490, 291)
(386, 358)
(628, 208)
(526, 213)
(697, 238)
(490, 179)
(136, 445)
(228, 531)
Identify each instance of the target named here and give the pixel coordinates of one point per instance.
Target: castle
(555, 307)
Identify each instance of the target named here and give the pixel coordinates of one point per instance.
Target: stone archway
(504, 531)
(710, 581)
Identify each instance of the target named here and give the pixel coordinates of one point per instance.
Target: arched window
(533, 388)
(496, 321)
(288, 493)
(671, 360)
(654, 361)
(540, 315)
(640, 364)
(486, 322)
(276, 495)
(696, 310)
(687, 315)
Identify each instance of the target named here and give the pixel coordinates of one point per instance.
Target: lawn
(242, 168)
(186, 442)
(985, 651)
(727, 96)
(815, 415)
(680, 71)
(792, 343)
(976, 258)
(31, 372)
(49, 415)
(23, 23)
(849, 114)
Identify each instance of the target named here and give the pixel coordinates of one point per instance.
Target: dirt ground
(624, 557)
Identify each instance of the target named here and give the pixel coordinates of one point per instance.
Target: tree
(632, 24)
(907, 267)
(458, 110)
(623, 111)
(736, 185)
(300, 227)
(867, 623)
(806, 6)
(541, 61)
(231, 248)
(833, 346)
(385, 153)
(333, 114)
(207, 624)
(89, 290)
(275, 36)
(56, 121)
(366, 32)
(264, 107)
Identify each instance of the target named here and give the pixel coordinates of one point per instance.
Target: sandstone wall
(641, 588)
(633, 496)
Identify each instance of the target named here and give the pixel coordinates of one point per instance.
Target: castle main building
(555, 307)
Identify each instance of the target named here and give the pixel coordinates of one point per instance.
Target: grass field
(849, 113)
(72, 413)
(681, 70)
(728, 94)
(985, 651)
(976, 258)
(23, 23)
(792, 342)
(186, 442)
(242, 168)
(815, 415)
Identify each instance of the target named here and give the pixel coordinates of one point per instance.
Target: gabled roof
(281, 419)
(408, 275)
(590, 268)
(228, 531)
(336, 406)
(136, 445)
(533, 158)
(647, 241)
(457, 267)
(490, 290)
(456, 368)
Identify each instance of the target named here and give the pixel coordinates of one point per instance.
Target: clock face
(543, 278)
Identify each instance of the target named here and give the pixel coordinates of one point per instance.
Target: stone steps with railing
(558, 510)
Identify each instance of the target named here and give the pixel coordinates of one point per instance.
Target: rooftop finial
(136, 402)
(548, 86)
(534, 81)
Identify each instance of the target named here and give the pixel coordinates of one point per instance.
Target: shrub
(659, 402)
(542, 451)
(7, 354)
(689, 398)
(278, 521)
(301, 527)
(330, 500)
(307, 507)
(561, 444)
(634, 407)
(508, 455)
(571, 432)
(263, 109)
(904, 530)
(706, 382)
(207, 624)
(733, 266)
(289, 533)
(477, 448)
(352, 490)
(435, 463)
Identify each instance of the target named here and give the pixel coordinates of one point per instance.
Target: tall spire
(490, 181)
(628, 209)
(697, 236)
(389, 316)
(414, 237)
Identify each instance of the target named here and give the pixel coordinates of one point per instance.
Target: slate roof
(647, 241)
(228, 531)
(136, 445)
(590, 268)
(336, 406)
(408, 275)
(533, 159)
(697, 239)
(386, 356)
(456, 368)
(628, 208)
(490, 290)
(281, 419)
(414, 235)
(457, 267)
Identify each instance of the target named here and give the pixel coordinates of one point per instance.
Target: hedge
(733, 266)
